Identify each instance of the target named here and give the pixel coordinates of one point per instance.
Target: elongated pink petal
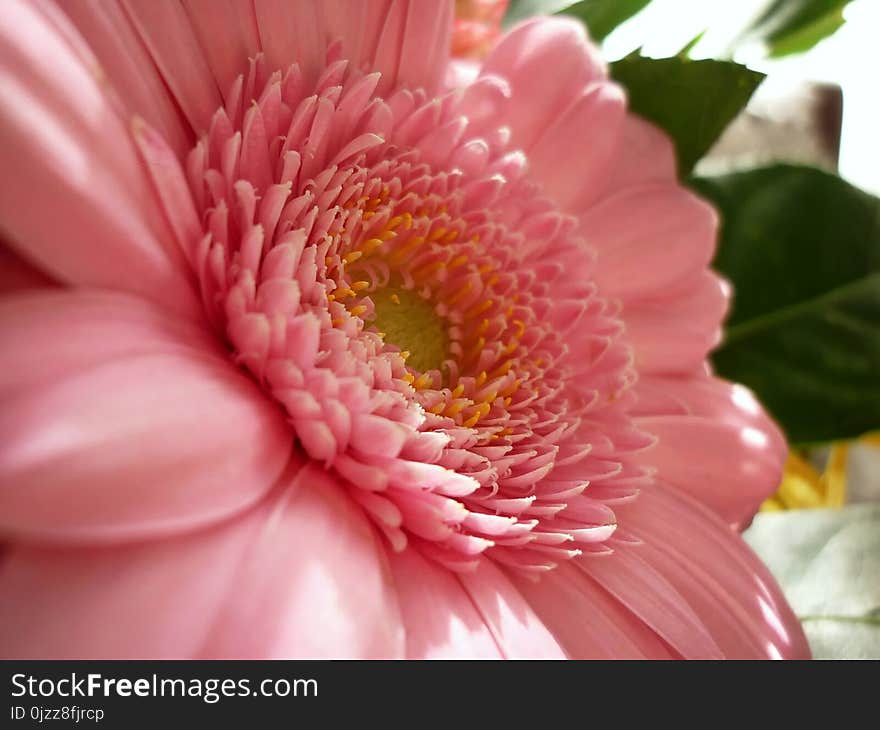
(575, 155)
(118, 428)
(413, 47)
(313, 582)
(673, 331)
(170, 186)
(291, 31)
(730, 468)
(53, 333)
(300, 575)
(714, 398)
(147, 600)
(407, 41)
(518, 631)
(652, 598)
(441, 621)
(715, 443)
(167, 34)
(78, 204)
(543, 59)
(129, 68)
(737, 599)
(586, 620)
(227, 33)
(645, 155)
(649, 238)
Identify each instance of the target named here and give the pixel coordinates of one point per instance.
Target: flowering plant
(320, 342)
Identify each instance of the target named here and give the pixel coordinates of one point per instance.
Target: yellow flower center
(408, 321)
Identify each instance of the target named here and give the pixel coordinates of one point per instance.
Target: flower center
(409, 321)
(386, 271)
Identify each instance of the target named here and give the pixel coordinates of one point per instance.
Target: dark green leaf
(693, 101)
(802, 249)
(795, 26)
(603, 16)
(827, 563)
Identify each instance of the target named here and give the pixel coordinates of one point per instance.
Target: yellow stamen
(460, 294)
(457, 407)
(482, 410)
(423, 381)
(478, 309)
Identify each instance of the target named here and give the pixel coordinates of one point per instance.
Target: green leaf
(600, 16)
(827, 563)
(802, 248)
(693, 101)
(603, 16)
(795, 26)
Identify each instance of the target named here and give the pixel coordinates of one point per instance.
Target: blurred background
(844, 59)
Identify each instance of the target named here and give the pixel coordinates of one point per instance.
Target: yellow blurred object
(803, 487)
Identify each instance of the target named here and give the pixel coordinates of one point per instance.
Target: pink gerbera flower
(311, 347)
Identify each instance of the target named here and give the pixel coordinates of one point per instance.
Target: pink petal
(170, 186)
(147, 600)
(586, 620)
(441, 621)
(543, 59)
(714, 570)
(165, 30)
(17, 274)
(78, 205)
(313, 582)
(674, 331)
(728, 467)
(574, 156)
(227, 32)
(127, 64)
(649, 238)
(717, 399)
(300, 575)
(407, 41)
(290, 31)
(119, 422)
(645, 155)
(413, 47)
(652, 598)
(519, 632)
(722, 449)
